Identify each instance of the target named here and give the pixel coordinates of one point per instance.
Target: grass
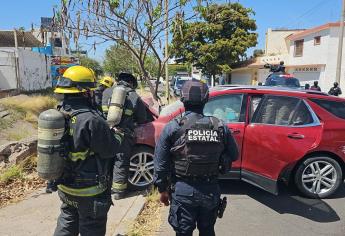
(26, 107)
(17, 136)
(11, 173)
(149, 219)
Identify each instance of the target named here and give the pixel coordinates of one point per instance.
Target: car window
(226, 108)
(254, 103)
(280, 110)
(335, 107)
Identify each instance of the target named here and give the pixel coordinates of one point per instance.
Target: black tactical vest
(198, 147)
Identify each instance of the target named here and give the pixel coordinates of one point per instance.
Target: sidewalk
(37, 215)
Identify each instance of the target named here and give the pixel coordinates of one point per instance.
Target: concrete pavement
(37, 215)
(252, 211)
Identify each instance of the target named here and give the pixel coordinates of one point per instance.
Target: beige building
(276, 42)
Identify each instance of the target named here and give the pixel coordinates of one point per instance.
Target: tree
(92, 64)
(218, 40)
(258, 52)
(119, 59)
(137, 25)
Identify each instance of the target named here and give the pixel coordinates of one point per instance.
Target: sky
(290, 14)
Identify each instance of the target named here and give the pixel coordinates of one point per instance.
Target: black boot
(51, 187)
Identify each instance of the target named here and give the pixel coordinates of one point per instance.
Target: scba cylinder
(116, 106)
(51, 128)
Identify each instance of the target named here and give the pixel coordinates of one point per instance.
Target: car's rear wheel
(141, 168)
(318, 176)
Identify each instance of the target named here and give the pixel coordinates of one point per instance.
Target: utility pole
(340, 45)
(167, 85)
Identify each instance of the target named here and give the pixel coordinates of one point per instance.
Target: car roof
(222, 89)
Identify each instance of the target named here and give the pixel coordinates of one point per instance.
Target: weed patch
(149, 220)
(10, 174)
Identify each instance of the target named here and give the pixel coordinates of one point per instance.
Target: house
(309, 55)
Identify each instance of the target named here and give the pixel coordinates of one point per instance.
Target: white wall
(34, 70)
(7, 69)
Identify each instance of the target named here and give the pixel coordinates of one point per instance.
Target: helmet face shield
(194, 92)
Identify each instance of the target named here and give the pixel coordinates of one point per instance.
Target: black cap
(194, 92)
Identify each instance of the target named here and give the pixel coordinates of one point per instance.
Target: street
(252, 211)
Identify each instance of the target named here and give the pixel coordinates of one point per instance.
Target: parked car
(179, 81)
(294, 136)
(282, 80)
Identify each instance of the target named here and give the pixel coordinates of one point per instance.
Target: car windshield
(281, 80)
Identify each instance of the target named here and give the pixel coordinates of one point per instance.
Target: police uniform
(134, 112)
(335, 90)
(188, 157)
(85, 184)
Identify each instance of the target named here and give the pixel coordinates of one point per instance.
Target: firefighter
(85, 185)
(134, 112)
(192, 150)
(106, 82)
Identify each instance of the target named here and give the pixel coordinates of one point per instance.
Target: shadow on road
(287, 202)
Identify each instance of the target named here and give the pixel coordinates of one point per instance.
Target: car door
(282, 130)
(231, 109)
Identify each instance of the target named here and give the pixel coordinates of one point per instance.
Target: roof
(304, 33)
(25, 39)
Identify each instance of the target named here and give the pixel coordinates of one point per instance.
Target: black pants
(83, 215)
(121, 165)
(194, 206)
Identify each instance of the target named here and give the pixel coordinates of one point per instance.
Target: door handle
(235, 131)
(296, 136)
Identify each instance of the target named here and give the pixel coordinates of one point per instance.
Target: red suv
(285, 135)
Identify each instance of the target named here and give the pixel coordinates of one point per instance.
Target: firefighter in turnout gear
(85, 185)
(192, 150)
(106, 82)
(134, 112)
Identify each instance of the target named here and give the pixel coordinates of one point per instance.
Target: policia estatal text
(80, 154)
(189, 155)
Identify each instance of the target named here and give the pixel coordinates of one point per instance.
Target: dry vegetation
(18, 181)
(28, 107)
(149, 220)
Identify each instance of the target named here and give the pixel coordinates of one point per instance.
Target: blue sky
(269, 14)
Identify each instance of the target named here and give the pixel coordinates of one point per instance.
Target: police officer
(134, 112)
(189, 155)
(315, 87)
(106, 82)
(85, 186)
(335, 90)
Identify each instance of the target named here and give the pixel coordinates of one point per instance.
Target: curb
(132, 213)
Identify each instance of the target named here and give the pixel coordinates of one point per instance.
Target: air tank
(116, 106)
(51, 128)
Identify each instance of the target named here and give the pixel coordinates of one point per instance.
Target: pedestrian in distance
(134, 112)
(335, 90)
(315, 87)
(85, 185)
(307, 86)
(190, 154)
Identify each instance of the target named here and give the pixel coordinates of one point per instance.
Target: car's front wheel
(141, 168)
(318, 176)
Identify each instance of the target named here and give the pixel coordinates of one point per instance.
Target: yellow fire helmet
(107, 81)
(76, 79)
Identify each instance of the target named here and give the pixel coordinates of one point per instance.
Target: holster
(221, 207)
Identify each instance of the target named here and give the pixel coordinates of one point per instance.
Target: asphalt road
(252, 211)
